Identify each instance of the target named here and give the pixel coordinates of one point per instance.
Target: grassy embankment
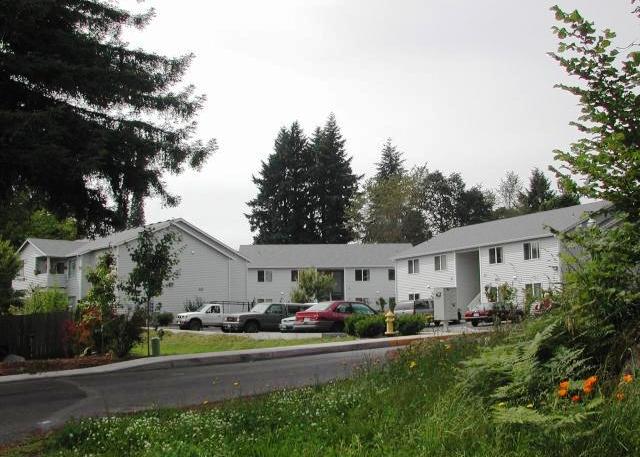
(411, 406)
(189, 343)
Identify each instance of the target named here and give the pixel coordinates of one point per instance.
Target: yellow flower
(620, 396)
(502, 404)
(412, 364)
(563, 393)
(205, 402)
(530, 405)
(628, 378)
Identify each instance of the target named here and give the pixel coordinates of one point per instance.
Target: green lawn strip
(411, 406)
(189, 343)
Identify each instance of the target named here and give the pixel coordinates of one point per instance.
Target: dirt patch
(39, 366)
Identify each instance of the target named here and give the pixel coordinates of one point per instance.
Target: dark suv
(263, 316)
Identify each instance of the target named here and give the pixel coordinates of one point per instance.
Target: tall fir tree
(283, 210)
(84, 119)
(391, 162)
(333, 183)
(539, 193)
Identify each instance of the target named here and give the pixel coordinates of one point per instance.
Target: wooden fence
(34, 336)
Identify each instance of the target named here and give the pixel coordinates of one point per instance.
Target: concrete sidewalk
(216, 358)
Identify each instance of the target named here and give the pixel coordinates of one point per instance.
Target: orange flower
(564, 385)
(591, 381)
(620, 396)
(563, 393)
(628, 378)
(575, 398)
(587, 389)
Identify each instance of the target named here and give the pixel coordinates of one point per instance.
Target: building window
(533, 290)
(440, 262)
(362, 274)
(531, 250)
(265, 276)
(362, 300)
(41, 265)
(58, 268)
(414, 266)
(495, 255)
(392, 274)
(414, 296)
(21, 270)
(294, 275)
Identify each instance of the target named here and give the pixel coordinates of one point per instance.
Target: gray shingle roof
(56, 248)
(322, 255)
(115, 239)
(503, 230)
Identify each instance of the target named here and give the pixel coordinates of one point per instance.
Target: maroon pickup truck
(491, 312)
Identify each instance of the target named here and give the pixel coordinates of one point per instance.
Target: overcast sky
(464, 86)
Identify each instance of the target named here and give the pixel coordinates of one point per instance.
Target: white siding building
(521, 251)
(362, 271)
(208, 268)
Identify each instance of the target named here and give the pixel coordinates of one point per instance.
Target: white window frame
(294, 273)
(414, 296)
(413, 266)
(496, 259)
(438, 264)
(365, 274)
(532, 286)
(529, 249)
(267, 276)
(391, 272)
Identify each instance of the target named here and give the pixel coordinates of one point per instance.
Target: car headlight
(232, 319)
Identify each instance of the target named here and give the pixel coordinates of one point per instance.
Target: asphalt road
(40, 405)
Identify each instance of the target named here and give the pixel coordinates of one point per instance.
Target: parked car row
(325, 316)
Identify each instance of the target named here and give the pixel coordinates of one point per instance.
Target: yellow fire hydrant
(390, 318)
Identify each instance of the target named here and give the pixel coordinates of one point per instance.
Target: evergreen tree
(333, 183)
(539, 194)
(85, 121)
(283, 211)
(391, 162)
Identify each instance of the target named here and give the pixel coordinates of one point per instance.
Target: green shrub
(350, 322)
(123, 332)
(411, 324)
(45, 301)
(370, 326)
(165, 319)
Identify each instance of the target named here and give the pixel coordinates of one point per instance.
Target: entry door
(213, 315)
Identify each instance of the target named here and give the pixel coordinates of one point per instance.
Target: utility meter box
(445, 305)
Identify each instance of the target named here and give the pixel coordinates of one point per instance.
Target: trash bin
(155, 346)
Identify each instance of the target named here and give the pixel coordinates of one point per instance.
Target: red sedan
(328, 316)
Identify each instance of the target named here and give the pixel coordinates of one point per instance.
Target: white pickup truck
(210, 314)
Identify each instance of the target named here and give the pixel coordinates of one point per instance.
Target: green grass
(189, 343)
(408, 407)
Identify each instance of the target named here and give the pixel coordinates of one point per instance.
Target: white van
(210, 314)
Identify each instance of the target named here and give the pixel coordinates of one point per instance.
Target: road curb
(227, 357)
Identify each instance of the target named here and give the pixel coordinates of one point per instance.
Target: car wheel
(195, 324)
(225, 330)
(337, 327)
(436, 323)
(475, 322)
(251, 327)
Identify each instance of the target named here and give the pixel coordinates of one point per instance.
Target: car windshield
(204, 308)
(322, 306)
(260, 308)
